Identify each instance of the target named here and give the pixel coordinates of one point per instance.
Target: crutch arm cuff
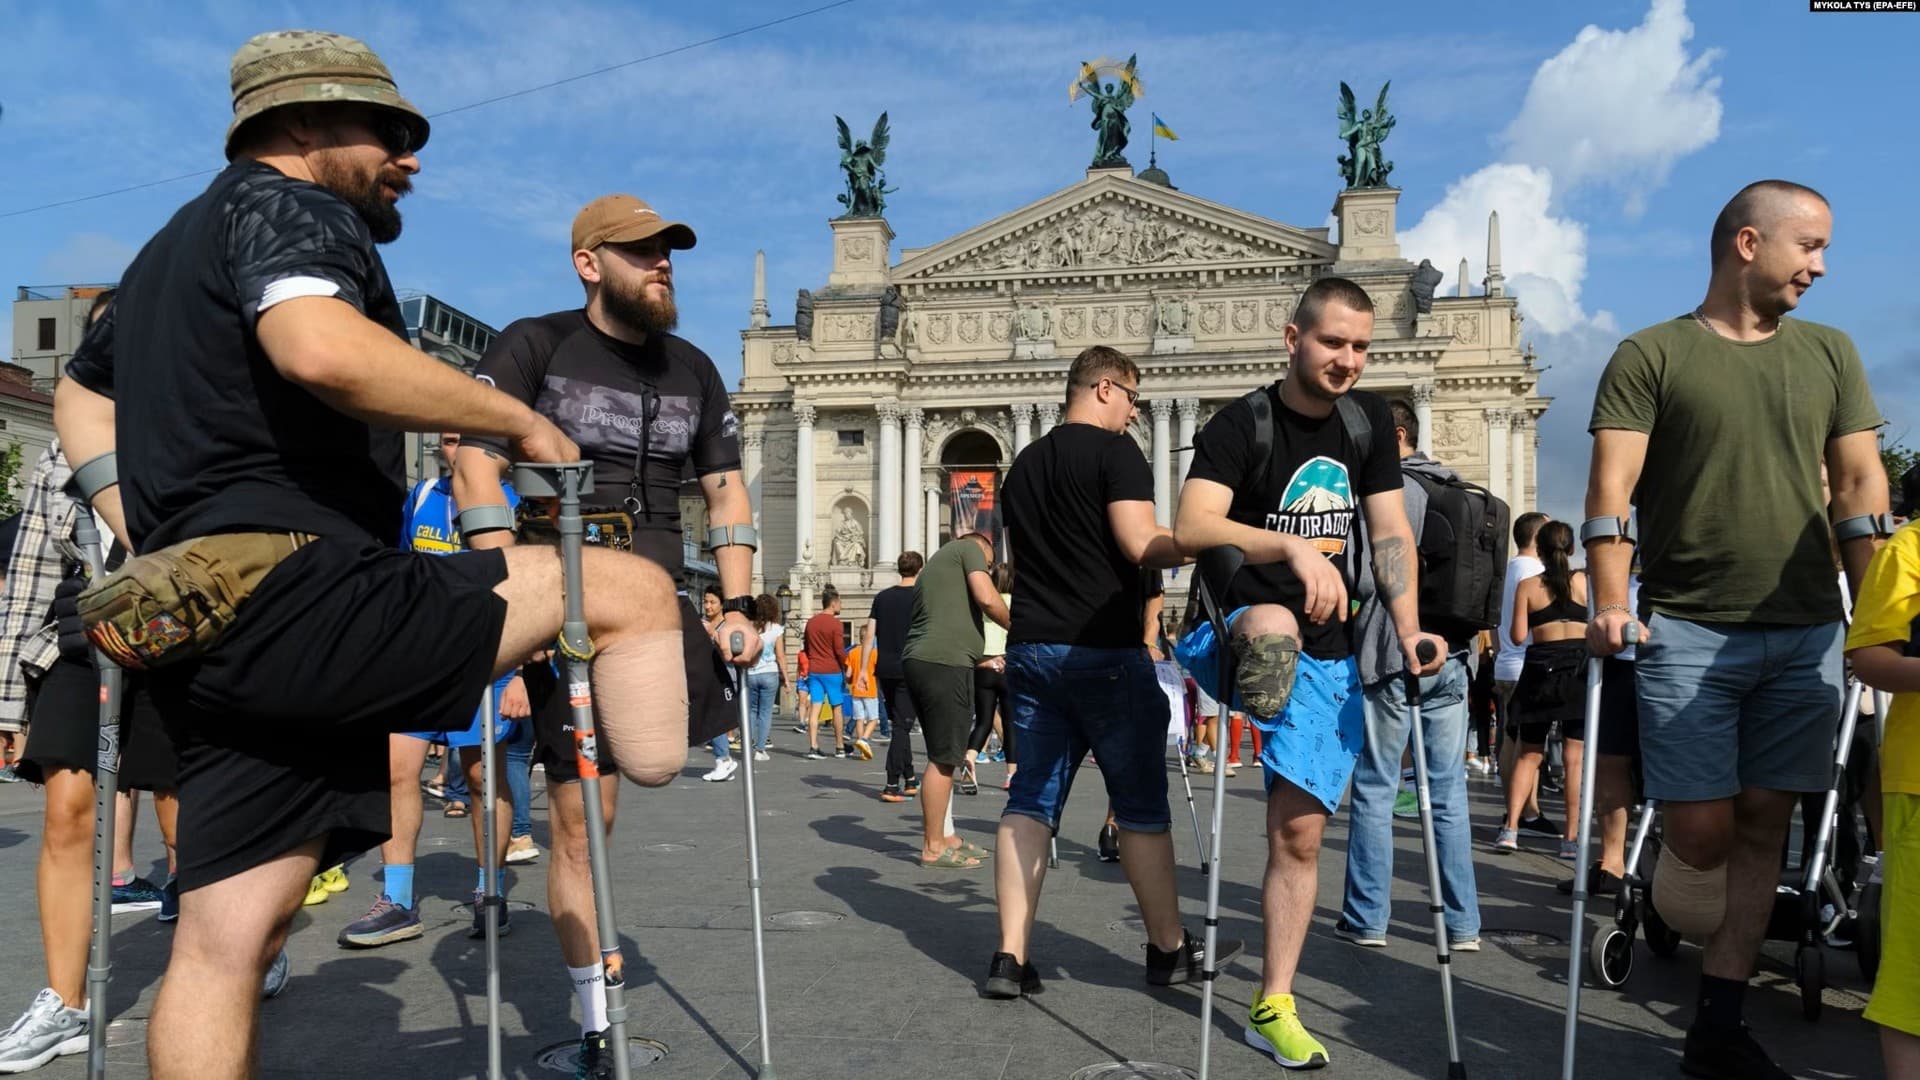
(95, 475)
(1858, 527)
(1605, 528)
(483, 519)
(745, 536)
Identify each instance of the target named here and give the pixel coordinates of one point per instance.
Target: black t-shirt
(893, 611)
(1072, 585)
(1313, 489)
(603, 393)
(211, 438)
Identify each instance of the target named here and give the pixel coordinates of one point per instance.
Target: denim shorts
(1066, 701)
(1725, 707)
(864, 708)
(1316, 740)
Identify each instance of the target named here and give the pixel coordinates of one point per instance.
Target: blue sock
(399, 884)
(499, 880)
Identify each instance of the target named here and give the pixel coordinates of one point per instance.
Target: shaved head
(1760, 206)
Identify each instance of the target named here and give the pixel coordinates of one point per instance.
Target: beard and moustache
(365, 194)
(629, 302)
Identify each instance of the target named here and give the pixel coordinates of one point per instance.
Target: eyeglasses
(1133, 393)
(392, 133)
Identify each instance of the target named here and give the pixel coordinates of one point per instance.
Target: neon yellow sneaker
(317, 892)
(335, 879)
(1274, 1027)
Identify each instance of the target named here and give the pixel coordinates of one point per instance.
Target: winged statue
(1110, 104)
(866, 194)
(1364, 130)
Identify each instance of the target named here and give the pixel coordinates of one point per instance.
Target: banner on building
(972, 503)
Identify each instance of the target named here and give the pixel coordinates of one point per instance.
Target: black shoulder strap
(1359, 428)
(1262, 430)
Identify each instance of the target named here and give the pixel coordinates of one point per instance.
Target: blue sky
(1608, 134)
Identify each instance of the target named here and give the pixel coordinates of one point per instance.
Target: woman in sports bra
(1552, 688)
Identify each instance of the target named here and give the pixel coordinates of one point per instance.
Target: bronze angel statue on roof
(1363, 166)
(1110, 105)
(867, 192)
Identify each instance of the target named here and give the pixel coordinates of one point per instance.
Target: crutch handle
(1631, 635)
(737, 642)
(1425, 652)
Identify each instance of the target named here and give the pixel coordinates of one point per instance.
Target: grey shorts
(1725, 707)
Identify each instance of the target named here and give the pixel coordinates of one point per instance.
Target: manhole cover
(1132, 1070)
(1127, 926)
(668, 849)
(1522, 939)
(565, 1057)
(803, 920)
(773, 813)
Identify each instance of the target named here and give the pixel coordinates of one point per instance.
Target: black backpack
(1463, 557)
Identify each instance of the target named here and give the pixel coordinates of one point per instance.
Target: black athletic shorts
(711, 708)
(282, 727)
(943, 698)
(1552, 689)
(64, 732)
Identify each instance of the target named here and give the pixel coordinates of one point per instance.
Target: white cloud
(1543, 257)
(1617, 108)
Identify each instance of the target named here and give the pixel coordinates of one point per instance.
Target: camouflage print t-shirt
(604, 393)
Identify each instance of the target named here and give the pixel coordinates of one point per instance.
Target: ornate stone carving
(1049, 414)
(1213, 317)
(1033, 322)
(1370, 223)
(939, 328)
(916, 418)
(1172, 316)
(1188, 408)
(1457, 436)
(754, 438)
(1279, 312)
(803, 415)
(1073, 323)
(780, 455)
(970, 327)
(783, 353)
(1162, 408)
(889, 411)
(1106, 236)
(858, 248)
(1136, 320)
(1023, 412)
(1106, 320)
(1498, 418)
(1245, 314)
(847, 327)
(999, 325)
(1422, 393)
(1466, 328)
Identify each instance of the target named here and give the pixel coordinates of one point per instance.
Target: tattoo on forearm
(1392, 567)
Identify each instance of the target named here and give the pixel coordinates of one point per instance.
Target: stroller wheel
(1810, 970)
(1866, 931)
(1661, 938)
(1610, 957)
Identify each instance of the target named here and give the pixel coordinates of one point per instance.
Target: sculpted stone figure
(849, 540)
(803, 315)
(1171, 316)
(1425, 279)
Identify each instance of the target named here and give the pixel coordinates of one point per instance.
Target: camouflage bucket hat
(288, 67)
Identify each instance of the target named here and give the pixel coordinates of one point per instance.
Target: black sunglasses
(393, 133)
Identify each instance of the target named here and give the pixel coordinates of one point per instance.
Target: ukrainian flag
(1161, 129)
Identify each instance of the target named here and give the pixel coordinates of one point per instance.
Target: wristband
(1853, 528)
(1604, 608)
(741, 604)
(96, 475)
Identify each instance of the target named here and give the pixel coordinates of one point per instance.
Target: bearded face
(373, 190)
(642, 299)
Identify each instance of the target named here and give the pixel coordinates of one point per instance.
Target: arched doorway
(970, 475)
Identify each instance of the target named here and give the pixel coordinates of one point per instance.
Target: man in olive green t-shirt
(1735, 407)
(944, 641)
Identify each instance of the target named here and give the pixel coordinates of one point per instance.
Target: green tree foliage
(10, 480)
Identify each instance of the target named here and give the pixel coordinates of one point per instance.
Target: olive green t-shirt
(946, 625)
(1732, 526)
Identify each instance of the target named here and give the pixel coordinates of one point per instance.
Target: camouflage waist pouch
(535, 524)
(171, 605)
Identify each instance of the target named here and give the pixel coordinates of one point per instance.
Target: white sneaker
(47, 1030)
(1477, 766)
(722, 770)
(762, 755)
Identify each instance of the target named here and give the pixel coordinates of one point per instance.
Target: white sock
(592, 992)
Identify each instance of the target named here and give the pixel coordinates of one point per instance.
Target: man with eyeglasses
(1079, 513)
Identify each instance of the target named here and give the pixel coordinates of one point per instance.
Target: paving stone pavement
(885, 987)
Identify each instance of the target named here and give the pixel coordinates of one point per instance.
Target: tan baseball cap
(289, 67)
(620, 219)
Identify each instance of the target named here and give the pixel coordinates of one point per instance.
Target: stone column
(1162, 460)
(1022, 426)
(752, 441)
(933, 519)
(1423, 411)
(887, 495)
(1189, 412)
(802, 481)
(1049, 415)
(1522, 424)
(911, 483)
(1497, 441)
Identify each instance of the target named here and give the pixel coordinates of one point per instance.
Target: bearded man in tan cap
(643, 405)
(255, 368)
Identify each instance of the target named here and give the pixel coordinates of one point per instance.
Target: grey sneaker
(384, 923)
(47, 1030)
(276, 976)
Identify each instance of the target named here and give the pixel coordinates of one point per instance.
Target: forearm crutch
(1589, 765)
(106, 786)
(738, 644)
(1180, 751)
(1214, 571)
(490, 898)
(1456, 1069)
(566, 483)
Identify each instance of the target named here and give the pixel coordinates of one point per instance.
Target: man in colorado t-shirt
(1296, 514)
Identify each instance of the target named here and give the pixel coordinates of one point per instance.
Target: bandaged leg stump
(1689, 900)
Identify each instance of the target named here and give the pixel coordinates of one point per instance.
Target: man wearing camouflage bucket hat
(255, 368)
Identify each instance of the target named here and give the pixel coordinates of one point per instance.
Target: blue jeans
(762, 689)
(1376, 781)
(1065, 701)
(519, 781)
